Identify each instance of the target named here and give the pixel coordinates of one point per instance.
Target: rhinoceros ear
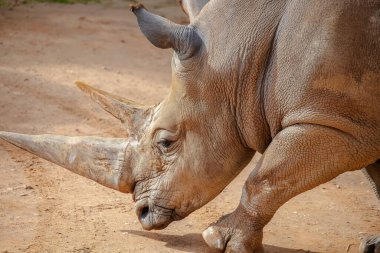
(192, 7)
(163, 33)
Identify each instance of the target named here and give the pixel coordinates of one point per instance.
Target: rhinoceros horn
(163, 33)
(103, 160)
(132, 114)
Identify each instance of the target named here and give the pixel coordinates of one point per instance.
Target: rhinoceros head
(179, 154)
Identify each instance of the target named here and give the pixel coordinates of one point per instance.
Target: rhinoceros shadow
(194, 242)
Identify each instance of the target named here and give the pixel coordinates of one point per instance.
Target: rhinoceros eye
(165, 143)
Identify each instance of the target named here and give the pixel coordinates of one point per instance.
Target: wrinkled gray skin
(298, 81)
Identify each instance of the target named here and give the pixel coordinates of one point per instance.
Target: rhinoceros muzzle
(152, 216)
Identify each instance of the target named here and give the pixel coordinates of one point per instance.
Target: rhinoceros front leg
(370, 244)
(299, 158)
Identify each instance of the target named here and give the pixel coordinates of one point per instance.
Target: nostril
(144, 212)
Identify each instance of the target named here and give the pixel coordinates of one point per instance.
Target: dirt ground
(44, 49)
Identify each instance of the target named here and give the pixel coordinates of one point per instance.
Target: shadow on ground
(194, 242)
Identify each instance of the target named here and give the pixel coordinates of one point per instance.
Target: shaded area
(275, 249)
(194, 242)
(187, 243)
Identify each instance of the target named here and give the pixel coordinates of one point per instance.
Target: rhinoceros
(297, 81)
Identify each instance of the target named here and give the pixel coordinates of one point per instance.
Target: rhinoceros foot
(236, 232)
(370, 244)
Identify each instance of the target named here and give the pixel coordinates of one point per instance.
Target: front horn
(103, 160)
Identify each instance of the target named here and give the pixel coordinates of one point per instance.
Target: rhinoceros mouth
(152, 216)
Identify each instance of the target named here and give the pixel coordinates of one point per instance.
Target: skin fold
(297, 81)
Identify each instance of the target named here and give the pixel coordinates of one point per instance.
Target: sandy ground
(44, 49)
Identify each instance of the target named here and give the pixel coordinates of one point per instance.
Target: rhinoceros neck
(239, 35)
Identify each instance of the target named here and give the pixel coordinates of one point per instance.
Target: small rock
(28, 187)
